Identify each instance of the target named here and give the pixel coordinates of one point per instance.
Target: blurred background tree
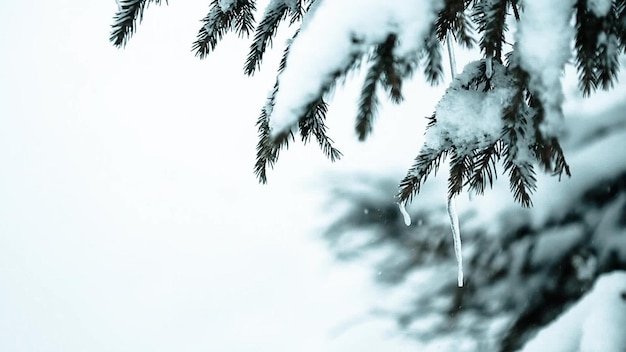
(524, 266)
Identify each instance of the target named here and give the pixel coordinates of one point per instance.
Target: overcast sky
(130, 219)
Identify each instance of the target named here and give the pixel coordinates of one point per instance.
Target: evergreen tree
(391, 40)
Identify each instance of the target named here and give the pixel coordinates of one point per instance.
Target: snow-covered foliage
(544, 35)
(343, 31)
(511, 99)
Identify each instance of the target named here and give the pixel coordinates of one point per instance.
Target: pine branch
(515, 6)
(433, 65)
(244, 18)
(426, 162)
(522, 178)
(264, 33)
(608, 62)
(609, 48)
(461, 168)
(587, 28)
(313, 123)
(518, 137)
(328, 85)
(550, 156)
(453, 21)
(391, 78)
(125, 19)
(598, 43)
(297, 12)
(620, 14)
(268, 148)
(547, 152)
(382, 71)
(491, 19)
(484, 168)
(217, 23)
(368, 102)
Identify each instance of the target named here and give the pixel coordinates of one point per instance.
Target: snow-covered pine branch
(313, 124)
(521, 120)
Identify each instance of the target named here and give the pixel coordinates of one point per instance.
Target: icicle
(451, 58)
(454, 218)
(456, 236)
(405, 214)
(488, 67)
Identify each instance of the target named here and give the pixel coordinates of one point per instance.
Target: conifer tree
(523, 78)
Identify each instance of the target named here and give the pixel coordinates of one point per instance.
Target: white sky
(130, 219)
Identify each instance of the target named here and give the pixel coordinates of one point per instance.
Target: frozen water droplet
(405, 214)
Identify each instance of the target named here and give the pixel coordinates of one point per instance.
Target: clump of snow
(594, 324)
(600, 8)
(543, 37)
(339, 31)
(226, 5)
(468, 117)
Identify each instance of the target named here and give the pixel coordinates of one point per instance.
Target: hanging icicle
(456, 237)
(454, 218)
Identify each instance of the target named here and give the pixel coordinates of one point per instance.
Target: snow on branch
(312, 124)
(509, 107)
(543, 37)
(453, 21)
(491, 19)
(342, 31)
(486, 114)
(600, 35)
